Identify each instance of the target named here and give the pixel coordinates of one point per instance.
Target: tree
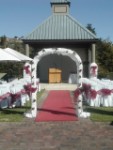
(3, 41)
(90, 28)
(12, 69)
(104, 57)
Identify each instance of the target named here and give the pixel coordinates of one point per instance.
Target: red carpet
(58, 106)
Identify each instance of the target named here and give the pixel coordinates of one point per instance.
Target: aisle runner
(58, 106)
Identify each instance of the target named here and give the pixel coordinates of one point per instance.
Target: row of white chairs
(13, 93)
(103, 90)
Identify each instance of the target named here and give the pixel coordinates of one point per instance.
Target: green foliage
(13, 70)
(3, 41)
(104, 58)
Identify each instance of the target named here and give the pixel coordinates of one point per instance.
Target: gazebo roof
(60, 27)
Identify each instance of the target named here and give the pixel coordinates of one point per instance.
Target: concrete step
(58, 86)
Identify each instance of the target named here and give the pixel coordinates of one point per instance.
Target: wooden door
(54, 75)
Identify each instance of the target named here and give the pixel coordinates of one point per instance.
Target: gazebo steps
(58, 86)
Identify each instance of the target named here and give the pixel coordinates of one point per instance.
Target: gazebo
(61, 30)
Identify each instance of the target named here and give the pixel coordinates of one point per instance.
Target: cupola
(60, 6)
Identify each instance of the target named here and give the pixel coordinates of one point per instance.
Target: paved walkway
(79, 135)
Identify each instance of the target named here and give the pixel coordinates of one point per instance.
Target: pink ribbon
(29, 89)
(94, 69)
(26, 68)
(2, 97)
(106, 92)
(93, 94)
(77, 92)
(15, 96)
(86, 89)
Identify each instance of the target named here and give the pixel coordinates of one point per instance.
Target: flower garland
(93, 94)
(77, 92)
(29, 89)
(106, 92)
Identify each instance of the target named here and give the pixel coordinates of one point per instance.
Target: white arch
(65, 52)
(62, 51)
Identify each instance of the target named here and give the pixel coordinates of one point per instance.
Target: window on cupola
(60, 9)
(60, 6)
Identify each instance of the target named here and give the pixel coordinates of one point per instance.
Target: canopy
(17, 54)
(2, 75)
(4, 56)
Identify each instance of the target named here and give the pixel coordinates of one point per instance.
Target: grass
(16, 114)
(13, 115)
(100, 114)
(39, 94)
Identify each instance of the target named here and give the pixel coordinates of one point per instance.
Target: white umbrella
(17, 54)
(4, 56)
(2, 75)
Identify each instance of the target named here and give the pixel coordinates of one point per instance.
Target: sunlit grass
(13, 114)
(100, 114)
(16, 114)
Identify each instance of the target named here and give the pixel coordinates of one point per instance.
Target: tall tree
(3, 41)
(90, 28)
(13, 70)
(104, 57)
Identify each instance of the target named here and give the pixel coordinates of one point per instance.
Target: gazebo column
(93, 52)
(89, 60)
(27, 49)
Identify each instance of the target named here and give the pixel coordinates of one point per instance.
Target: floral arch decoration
(65, 52)
(31, 70)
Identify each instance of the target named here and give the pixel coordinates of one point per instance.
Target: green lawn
(100, 114)
(16, 114)
(13, 114)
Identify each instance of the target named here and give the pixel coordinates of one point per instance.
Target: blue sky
(20, 17)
